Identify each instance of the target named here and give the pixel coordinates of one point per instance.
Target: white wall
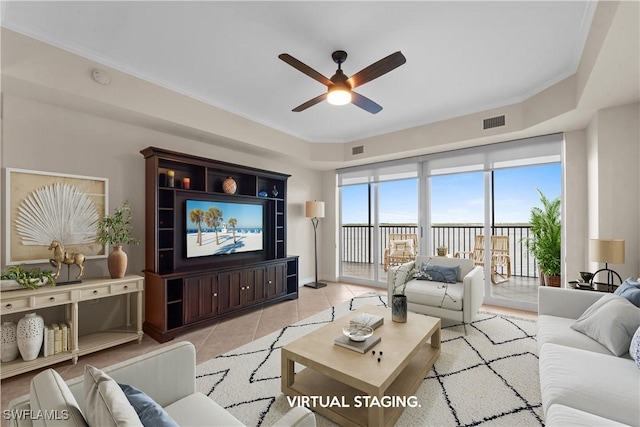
(614, 182)
(46, 137)
(574, 209)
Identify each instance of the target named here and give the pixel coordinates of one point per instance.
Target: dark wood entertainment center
(182, 293)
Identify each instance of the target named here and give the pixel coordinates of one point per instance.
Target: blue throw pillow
(151, 414)
(630, 289)
(438, 273)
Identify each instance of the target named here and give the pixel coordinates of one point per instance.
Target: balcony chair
(402, 248)
(499, 257)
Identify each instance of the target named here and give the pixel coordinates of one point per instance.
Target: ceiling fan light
(338, 96)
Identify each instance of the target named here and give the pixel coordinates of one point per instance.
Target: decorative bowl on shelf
(357, 331)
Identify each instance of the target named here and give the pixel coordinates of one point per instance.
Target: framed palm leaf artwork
(42, 207)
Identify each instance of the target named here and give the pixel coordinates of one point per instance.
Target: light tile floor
(222, 336)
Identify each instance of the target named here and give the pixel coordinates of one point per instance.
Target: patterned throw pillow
(634, 348)
(438, 273)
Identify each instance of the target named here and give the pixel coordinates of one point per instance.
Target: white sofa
(167, 375)
(462, 300)
(582, 382)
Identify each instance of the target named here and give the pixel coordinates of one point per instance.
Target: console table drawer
(125, 288)
(92, 293)
(14, 306)
(49, 300)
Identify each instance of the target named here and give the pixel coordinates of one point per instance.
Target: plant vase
(117, 262)
(554, 281)
(399, 308)
(9, 341)
(29, 335)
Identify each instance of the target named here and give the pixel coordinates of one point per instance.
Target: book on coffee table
(359, 346)
(369, 319)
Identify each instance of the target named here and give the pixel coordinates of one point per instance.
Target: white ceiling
(462, 57)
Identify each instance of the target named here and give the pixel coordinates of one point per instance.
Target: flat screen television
(223, 228)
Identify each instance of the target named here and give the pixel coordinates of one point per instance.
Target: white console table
(69, 296)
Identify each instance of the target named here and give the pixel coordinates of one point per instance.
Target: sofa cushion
(105, 404)
(49, 392)
(612, 321)
(603, 385)
(198, 410)
(438, 273)
(634, 348)
(150, 413)
(433, 294)
(558, 330)
(563, 416)
(630, 289)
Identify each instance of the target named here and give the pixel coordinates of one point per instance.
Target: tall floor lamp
(315, 210)
(607, 251)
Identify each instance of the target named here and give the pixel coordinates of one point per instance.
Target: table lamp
(607, 251)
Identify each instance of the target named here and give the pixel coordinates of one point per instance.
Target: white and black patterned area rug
(487, 377)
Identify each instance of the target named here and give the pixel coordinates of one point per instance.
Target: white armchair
(458, 301)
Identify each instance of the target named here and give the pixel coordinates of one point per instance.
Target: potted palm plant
(546, 241)
(115, 230)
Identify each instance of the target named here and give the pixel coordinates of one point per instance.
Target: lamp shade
(606, 250)
(314, 209)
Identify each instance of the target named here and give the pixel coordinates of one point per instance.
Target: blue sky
(248, 215)
(458, 198)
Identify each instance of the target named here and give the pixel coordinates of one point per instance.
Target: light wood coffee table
(409, 350)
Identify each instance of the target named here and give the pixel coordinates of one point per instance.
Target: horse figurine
(60, 256)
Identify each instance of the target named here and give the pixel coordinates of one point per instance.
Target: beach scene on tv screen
(219, 228)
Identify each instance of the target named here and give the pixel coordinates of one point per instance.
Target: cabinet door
(201, 298)
(229, 286)
(254, 288)
(276, 280)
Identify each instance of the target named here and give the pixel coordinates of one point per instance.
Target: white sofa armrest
(167, 374)
(569, 303)
(473, 294)
(298, 416)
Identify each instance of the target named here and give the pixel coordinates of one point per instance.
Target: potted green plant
(115, 230)
(546, 241)
(17, 277)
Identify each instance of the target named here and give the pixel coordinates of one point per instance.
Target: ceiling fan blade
(310, 103)
(365, 103)
(300, 66)
(377, 69)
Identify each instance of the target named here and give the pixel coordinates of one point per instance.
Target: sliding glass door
(472, 202)
(372, 214)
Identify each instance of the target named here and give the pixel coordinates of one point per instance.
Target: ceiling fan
(339, 87)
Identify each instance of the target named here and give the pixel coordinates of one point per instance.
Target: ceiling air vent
(357, 150)
(493, 122)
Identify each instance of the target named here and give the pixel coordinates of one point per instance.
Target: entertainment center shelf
(190, 280)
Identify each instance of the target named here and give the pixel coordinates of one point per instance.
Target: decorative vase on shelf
(117, 262)
(399, 308)
(229, 186)
(9, 341)
(29, 335)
